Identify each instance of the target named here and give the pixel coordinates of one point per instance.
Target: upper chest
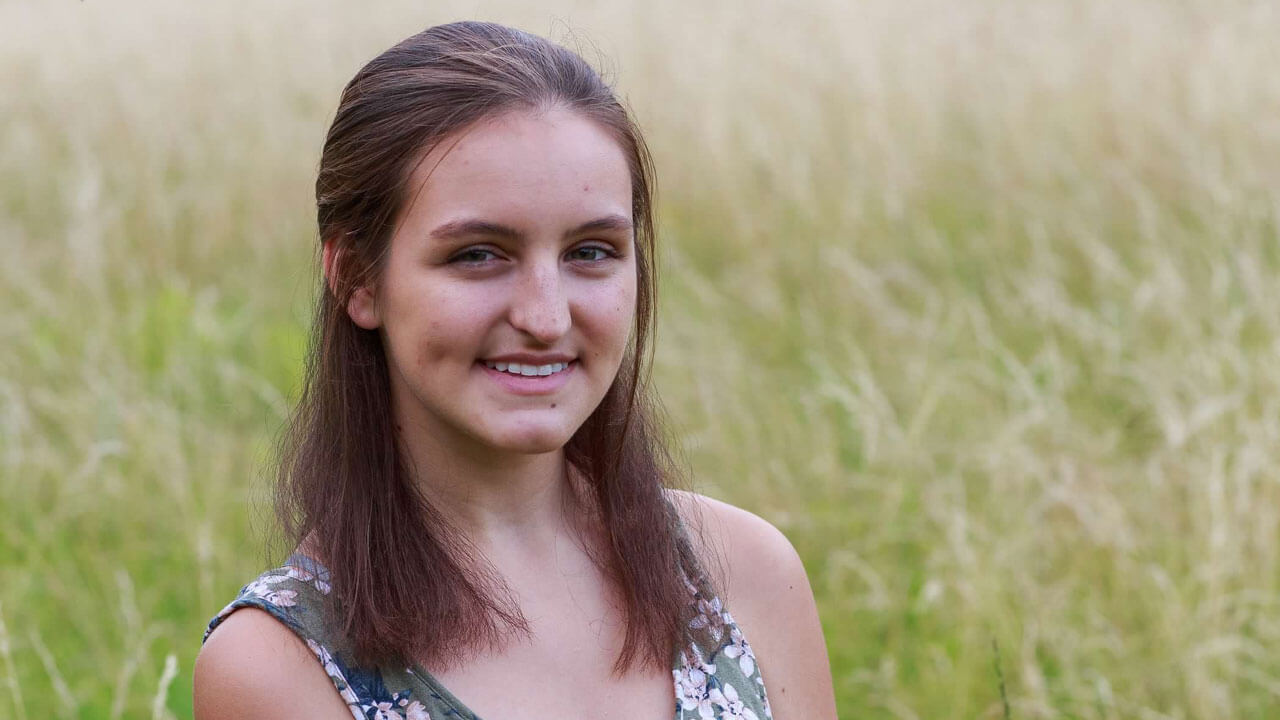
(564, 667)
(532, 685)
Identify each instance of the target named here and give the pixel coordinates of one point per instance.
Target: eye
(591, 253)
(473, 256)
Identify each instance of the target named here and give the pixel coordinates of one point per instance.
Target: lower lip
(531, 384)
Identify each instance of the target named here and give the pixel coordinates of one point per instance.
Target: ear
(362, 306)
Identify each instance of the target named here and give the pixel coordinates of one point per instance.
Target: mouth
(522, 370)
(522, 379)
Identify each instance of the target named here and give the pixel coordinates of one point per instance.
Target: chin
(532, 441)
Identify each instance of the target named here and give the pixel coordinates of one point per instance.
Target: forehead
(523, 167)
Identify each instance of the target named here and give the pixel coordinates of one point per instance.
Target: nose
(540, 306)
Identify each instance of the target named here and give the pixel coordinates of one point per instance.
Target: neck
(497, 500)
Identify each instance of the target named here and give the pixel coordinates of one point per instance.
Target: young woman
(473, 477)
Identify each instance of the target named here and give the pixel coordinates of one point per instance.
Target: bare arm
(767, 591)
(252, 667)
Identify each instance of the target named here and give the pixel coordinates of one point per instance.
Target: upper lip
(527, 359)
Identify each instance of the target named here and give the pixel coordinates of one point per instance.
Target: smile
(527, 370)
(521, 379)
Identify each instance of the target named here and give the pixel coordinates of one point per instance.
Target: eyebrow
(465, 228)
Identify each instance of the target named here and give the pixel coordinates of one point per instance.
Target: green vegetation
(978, 301)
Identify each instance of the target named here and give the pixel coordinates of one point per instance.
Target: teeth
(527, 370)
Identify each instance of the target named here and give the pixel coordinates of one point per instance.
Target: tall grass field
(977, 300)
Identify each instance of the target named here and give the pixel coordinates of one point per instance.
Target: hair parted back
(409, 588)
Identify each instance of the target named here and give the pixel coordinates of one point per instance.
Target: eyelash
(607, 253)
(458, 259)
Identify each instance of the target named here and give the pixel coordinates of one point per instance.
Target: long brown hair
(408, 586)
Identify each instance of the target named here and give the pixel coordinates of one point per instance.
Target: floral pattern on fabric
(723, 684)
(308, 576)
(705, 690)
(277, 592)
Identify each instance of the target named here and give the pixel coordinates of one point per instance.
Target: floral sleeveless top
(709, 683)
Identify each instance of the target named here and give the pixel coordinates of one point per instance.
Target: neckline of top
(309, 564)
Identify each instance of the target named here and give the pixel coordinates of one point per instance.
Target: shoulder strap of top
(296, 595)
(293, 594)
(722, 680)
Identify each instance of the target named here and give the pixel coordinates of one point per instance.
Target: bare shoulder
(749, 557)
(766, 589)
(252, 666)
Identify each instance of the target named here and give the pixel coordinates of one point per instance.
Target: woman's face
(507, 299)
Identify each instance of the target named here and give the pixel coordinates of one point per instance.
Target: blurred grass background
(979, 301)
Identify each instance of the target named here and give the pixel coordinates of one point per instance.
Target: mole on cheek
(585, 188)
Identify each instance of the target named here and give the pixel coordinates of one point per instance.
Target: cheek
(453, 339)
(610, 313)
(439, 329)
(433, 344)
